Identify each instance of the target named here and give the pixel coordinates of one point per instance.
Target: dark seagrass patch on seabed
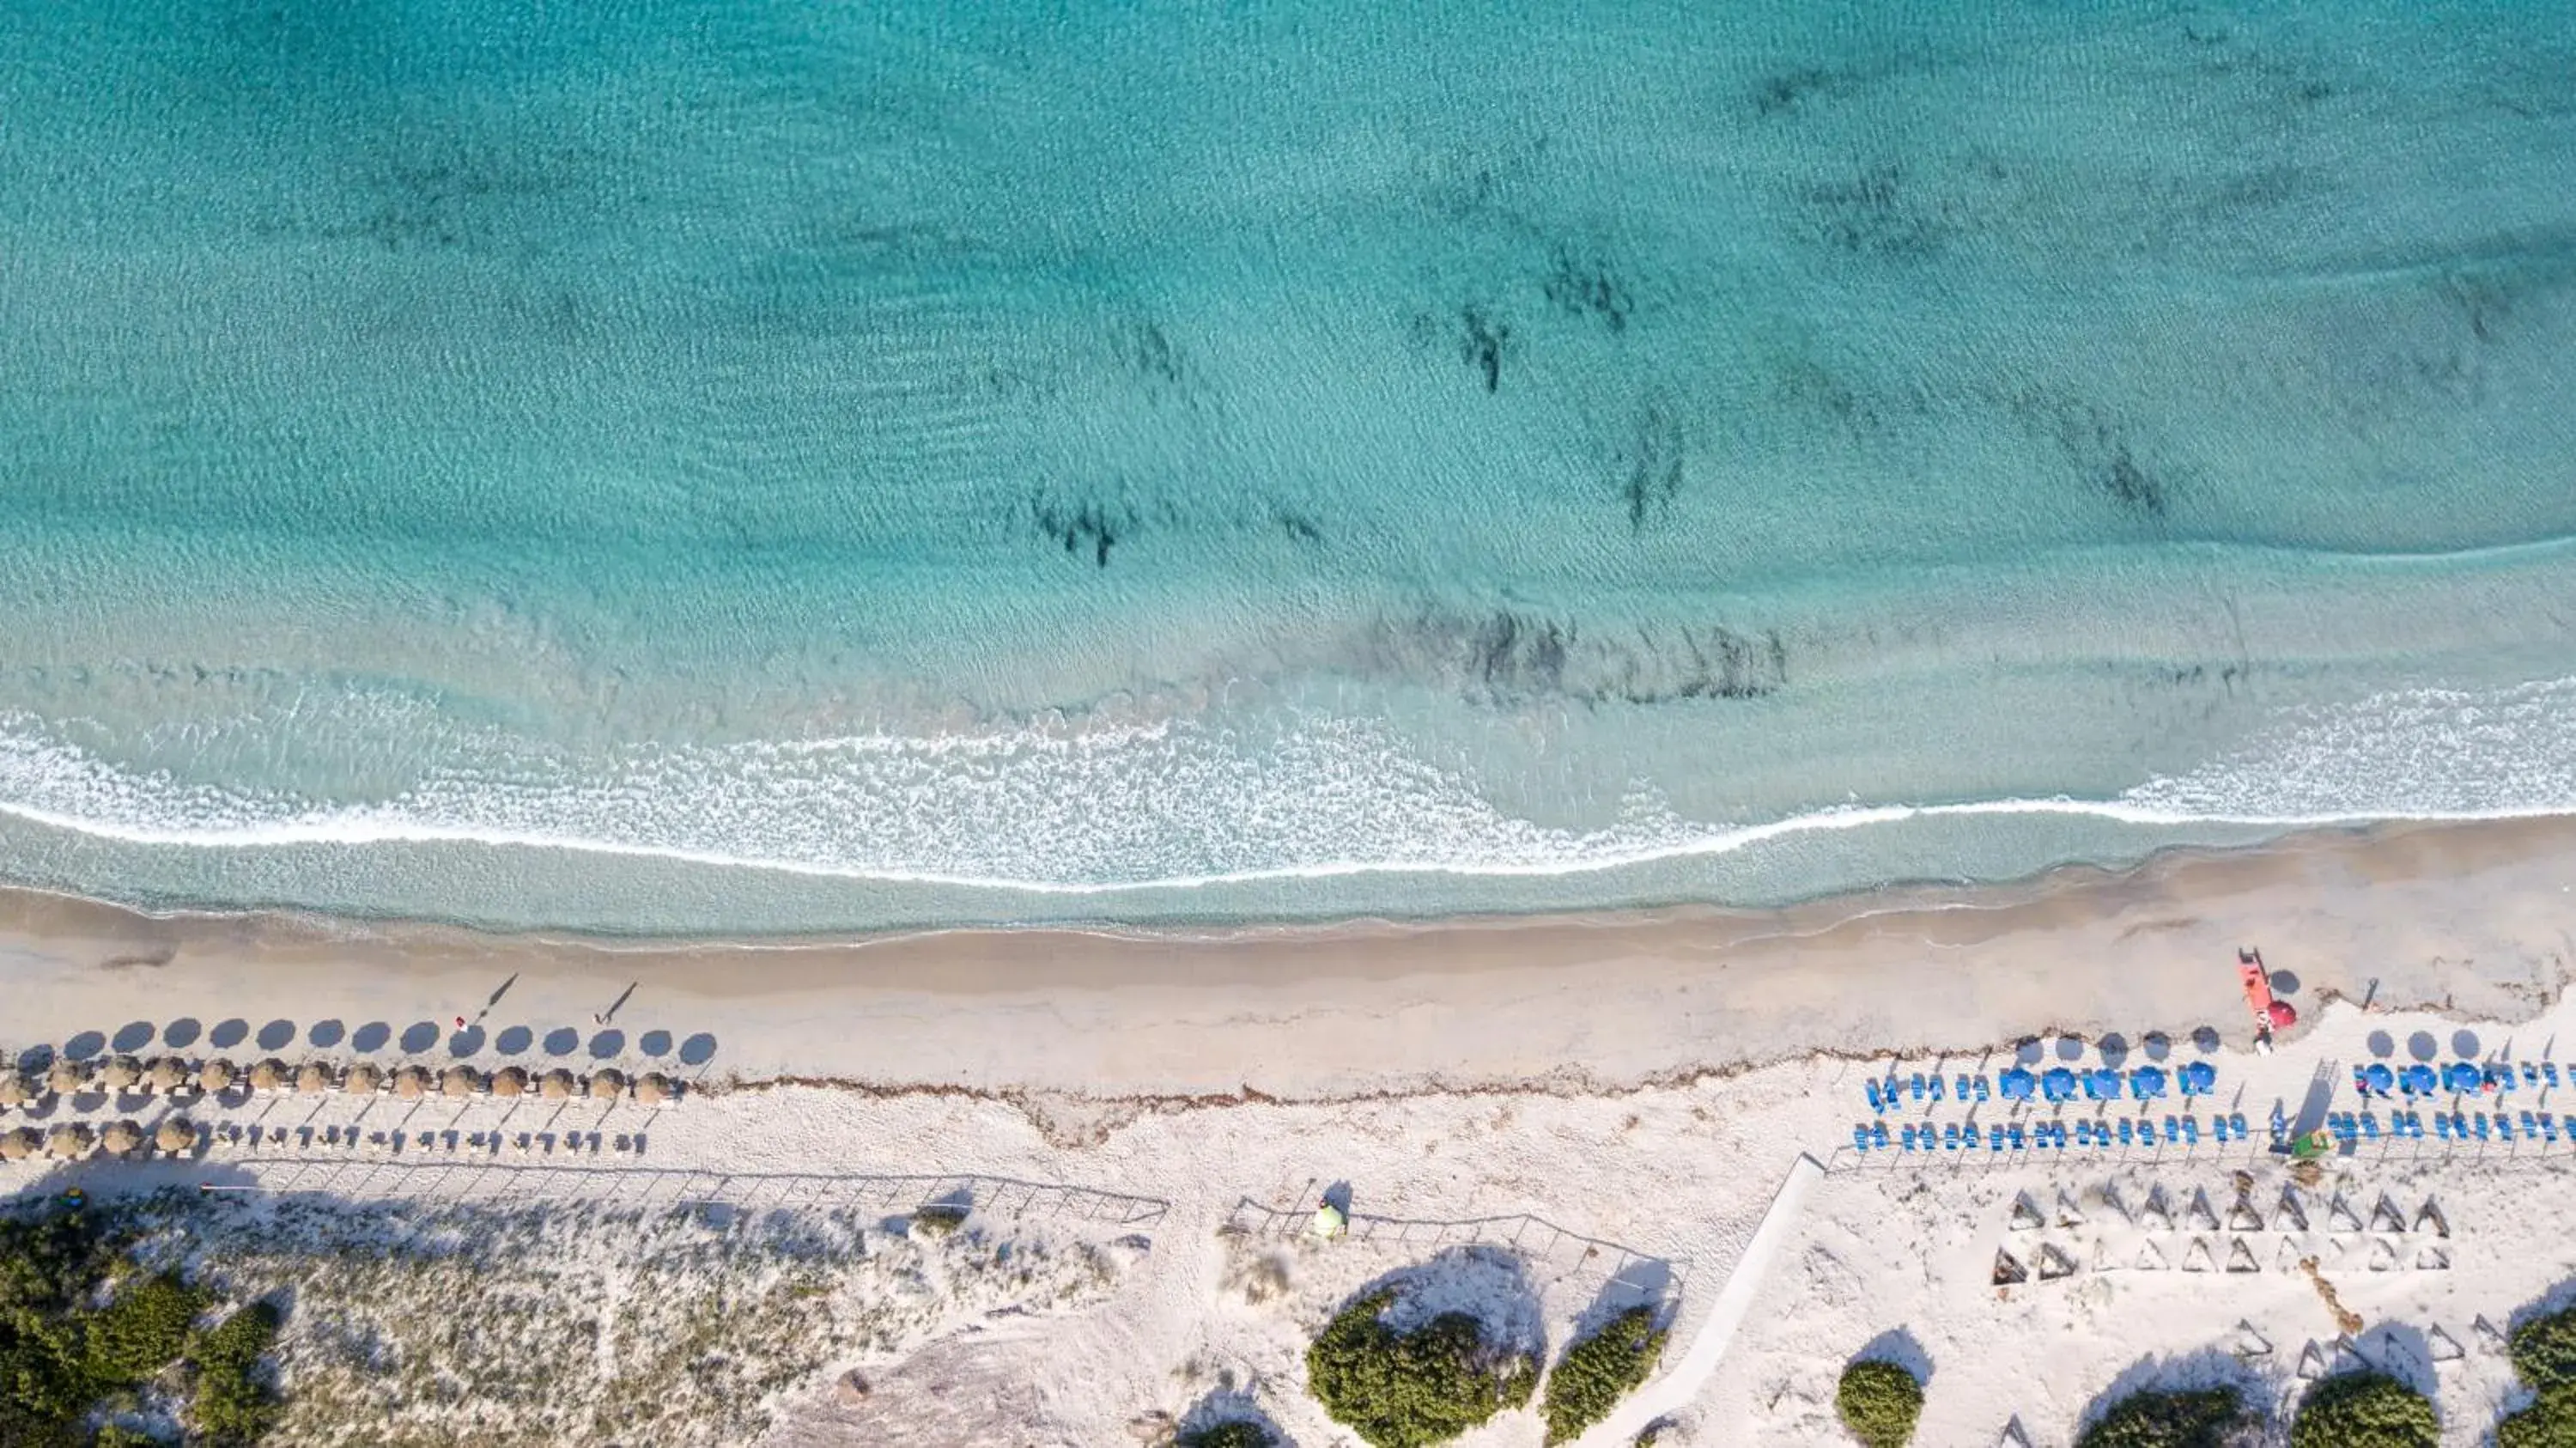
(2101, 449)
(1514, 657)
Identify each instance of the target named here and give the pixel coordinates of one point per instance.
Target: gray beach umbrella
(557, 1085)
(20, 1143)
(121, 1138)
(411, 1083)
(16, 1089)
(68, 1076)
(122, 1073)
(216, 1076)
(363, 1080)
(168, 1074)
(608, 1085)
(509, 1081)
(652, 1088)
(313, 1078)
(175, 1135)
(268, 1075)
(69, 1142)
(460, 1081)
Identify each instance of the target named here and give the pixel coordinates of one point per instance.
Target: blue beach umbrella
(2102, 1085)
(2420, 1080)
(2058, 1084)
(2461, 1076)
(2198, 1078)
(2017, 1084)
(2380, 1078)
(2147, 1082)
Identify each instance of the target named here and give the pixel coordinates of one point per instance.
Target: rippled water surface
(740, 467)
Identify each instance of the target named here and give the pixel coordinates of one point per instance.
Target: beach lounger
(2504, 1127)
(2481, 1124)
(1969, 1137)
(2548, 1127)
(1936, 1085)
(2442, 1125)
(2530, 1073)
(2013, 1134)
(2236, 1124)
(2128, 1133)
(2146, 1133)
(1869, 1088)
(2549, 1072)
(1878, 1135)
(2173, 1128)
(1949, 1136)
(2530, 1127)
(2369, 1127)
(1917, 1085)
(1959, 1091)
(1984, 1093)
(1860, 1138)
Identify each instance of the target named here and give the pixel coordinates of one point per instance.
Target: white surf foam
(1182, 805)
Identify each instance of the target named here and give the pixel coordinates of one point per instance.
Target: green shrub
(2167, 1420)
(1412, 1389)
(112, 1436)
(1597, 1372)
(1879, 1402)
(2548, 1423)
(232, 1405)
(2544, 1351)
(938, 1219)
(1232, 1433)
(2364, 1410)
(143, 1331)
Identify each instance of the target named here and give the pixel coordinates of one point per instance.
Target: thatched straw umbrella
(608, 1085)
(216, 1077)
(411, 1083)
(460, 1081)
(509, 1081)
(68, 1076)
(70, 1141)
(313, 1078)
(653, 1088)
(20, 1143)
(122, 1073)
(16, 1089)
(121, 1138)
(558, 1085)
(363, 1080)
(175, 1135)
(268, 1075)
(167, 1075)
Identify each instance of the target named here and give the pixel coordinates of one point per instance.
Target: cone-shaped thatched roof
(363, 1079)
(312, 1077)
(167, 1074)
(68, 1075)
(608, 1085)
(509, 1081)
(121, 1137)
(20, 1143)
(653, 1088)
(216, 1075)
(411, 1083)
(122, 1073)
(16, 1089)
(268, 1075)
(460, 1081)
(175, 1134)
(69, 1141)
(557, 1085)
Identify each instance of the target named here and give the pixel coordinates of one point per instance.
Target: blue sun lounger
(2530, 1073)
(2548, 1127)
(1869, 1088)
(1878, 1135)
(1982, 1090)
(1917, 1085)
(2012, 1134)
(2549, 1072)
(1936, 1085)
(2482, 1126)
(2369, 1127)
(2442, 1125)
(2504, 1127)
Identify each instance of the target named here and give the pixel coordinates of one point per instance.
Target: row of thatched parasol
(171, 1076)
(73, 1140)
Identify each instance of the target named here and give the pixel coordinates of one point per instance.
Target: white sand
(1563, 1115)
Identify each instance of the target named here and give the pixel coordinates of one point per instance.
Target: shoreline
(2452, 916)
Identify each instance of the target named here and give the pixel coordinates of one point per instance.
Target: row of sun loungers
(351, 1138)
(2020, 1083)
(2460, 1078)
(2049, 1135)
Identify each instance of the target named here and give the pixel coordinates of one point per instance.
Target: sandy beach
(1554, 1116)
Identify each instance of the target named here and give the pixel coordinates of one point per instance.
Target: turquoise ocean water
(797, 466)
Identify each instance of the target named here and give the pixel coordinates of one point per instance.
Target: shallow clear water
(758, 467)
